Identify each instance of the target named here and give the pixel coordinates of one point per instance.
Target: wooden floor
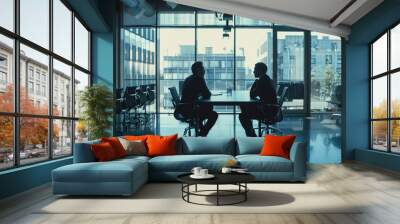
(377, 188)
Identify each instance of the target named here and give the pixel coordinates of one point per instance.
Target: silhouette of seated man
(195, 87)
(263, 90)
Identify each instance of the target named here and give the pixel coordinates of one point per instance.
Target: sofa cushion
(112, 171)
(185, 163)
(161, 145)
(136, 147)
(103, 152)
(205, 145)
(116, 145)
(249, 145)
(257, 163)
(275, 145)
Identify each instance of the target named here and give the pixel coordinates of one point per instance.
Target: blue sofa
(125, 176)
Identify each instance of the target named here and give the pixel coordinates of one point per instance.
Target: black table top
(220, 178)
(236, 98)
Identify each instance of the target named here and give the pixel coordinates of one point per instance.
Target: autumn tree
(379, 128)
(33, 131)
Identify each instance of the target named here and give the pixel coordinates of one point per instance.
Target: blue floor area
(322, 132)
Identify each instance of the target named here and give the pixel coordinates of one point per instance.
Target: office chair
(131, 103)
(278, 87)
(179, 116)
(277, 118)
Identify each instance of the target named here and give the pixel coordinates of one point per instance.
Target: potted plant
(96, 103)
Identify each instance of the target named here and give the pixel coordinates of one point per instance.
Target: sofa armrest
(298, 155)
(83, 152)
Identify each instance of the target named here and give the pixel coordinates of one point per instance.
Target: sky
(35, 27)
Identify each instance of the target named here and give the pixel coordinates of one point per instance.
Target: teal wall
(357, 82)
(100, 19)
(102, 58)
(24, 178)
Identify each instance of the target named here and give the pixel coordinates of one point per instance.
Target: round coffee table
(238, 179)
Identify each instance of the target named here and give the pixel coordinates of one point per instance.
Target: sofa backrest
(83, 152)
(205, 145)
(249, 145)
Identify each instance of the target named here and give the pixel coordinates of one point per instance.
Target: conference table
(233, 98)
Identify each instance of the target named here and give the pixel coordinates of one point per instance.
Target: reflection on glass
(62, 89)
(81, 82)
(34, 78)
(34, 21)
(395, 136)
(7, 14)
(62, 138)
(139, 67)
(217, 55)
(81, 45)
(62, 29)
(252, 46)
(6, 74)
(177, 54)
(395, 47)
(176, 19)
(139, 53)
(326, 72)
(33, 138)
(223, 128)
(243, 21)
(379, 98)
(290, 60)
(379, 135)
(379, 56)
(6, 142)
(210, 19)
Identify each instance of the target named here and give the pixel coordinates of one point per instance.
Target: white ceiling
(313, 15)
(321, 9)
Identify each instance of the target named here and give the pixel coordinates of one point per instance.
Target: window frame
(388, 75)
(16, 115)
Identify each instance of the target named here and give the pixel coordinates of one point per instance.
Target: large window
(39, 89)
(229, 47)
(385, 97)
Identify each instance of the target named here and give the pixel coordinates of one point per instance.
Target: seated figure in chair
(194, 87)
(263, 90)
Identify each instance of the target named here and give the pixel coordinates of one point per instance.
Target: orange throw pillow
(161, 145)
(103, 152)
(136, 138)
(277, 145)
(116, 145)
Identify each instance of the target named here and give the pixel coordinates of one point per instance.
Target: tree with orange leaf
(33, 131)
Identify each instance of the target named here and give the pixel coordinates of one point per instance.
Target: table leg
(245, 193)
(188, 190)
(217, 194)
(195, 188)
